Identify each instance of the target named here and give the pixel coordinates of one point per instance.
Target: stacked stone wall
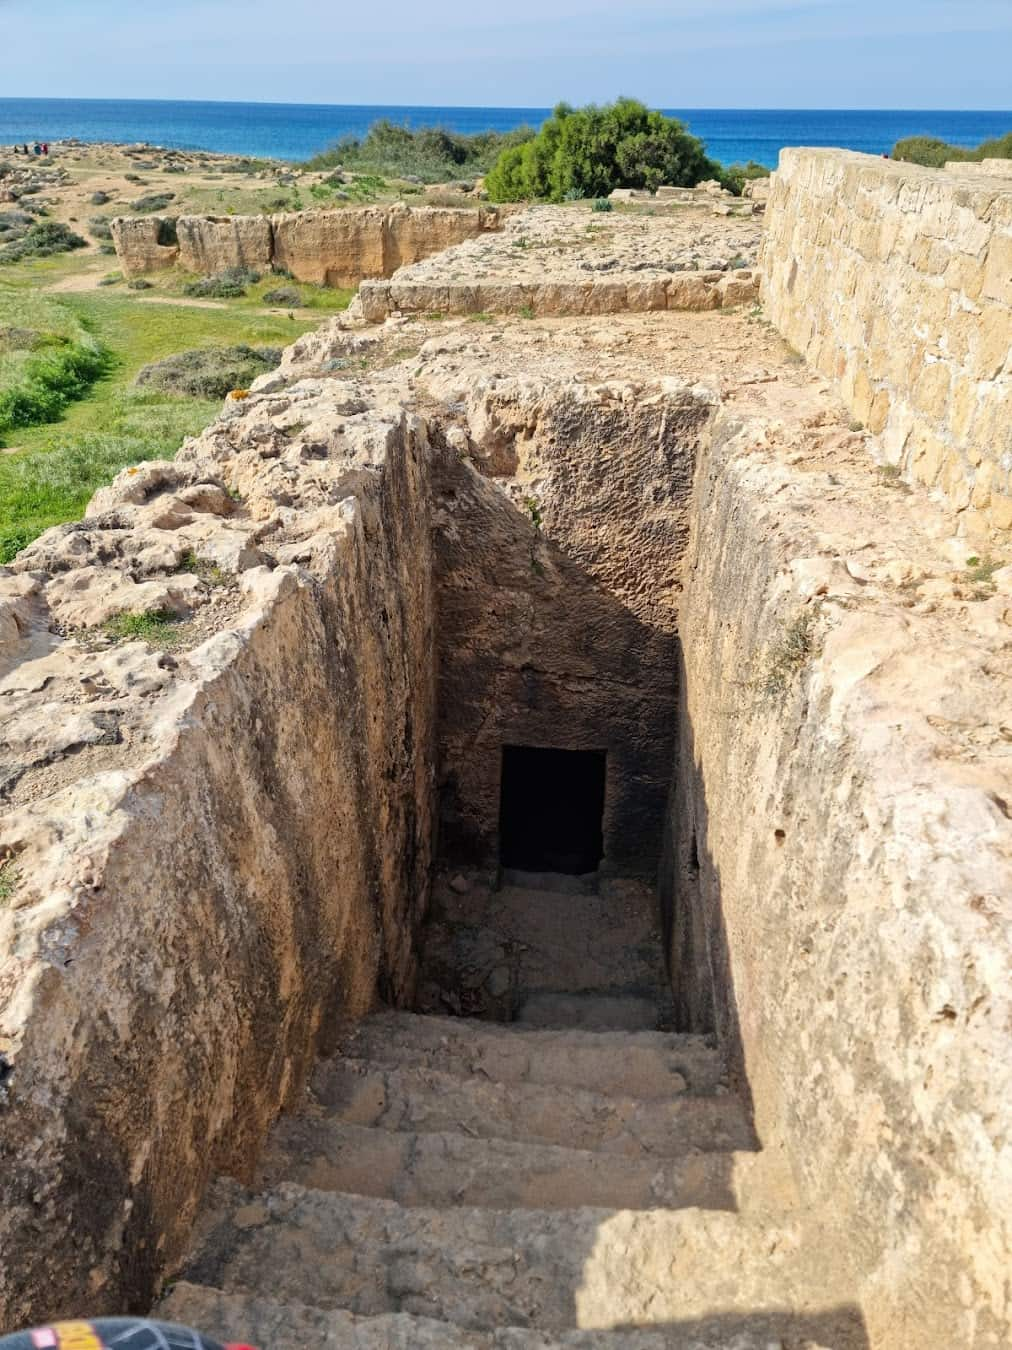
(896, 282)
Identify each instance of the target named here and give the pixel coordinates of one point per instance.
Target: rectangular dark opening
(551, 809)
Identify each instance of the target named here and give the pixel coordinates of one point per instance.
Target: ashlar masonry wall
(896, 282)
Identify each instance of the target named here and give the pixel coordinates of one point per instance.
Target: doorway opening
(551, 809)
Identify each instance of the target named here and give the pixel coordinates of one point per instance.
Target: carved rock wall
(338, 248)
(221, 851)
(896, 281)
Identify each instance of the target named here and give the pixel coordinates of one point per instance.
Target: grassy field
(49, 471)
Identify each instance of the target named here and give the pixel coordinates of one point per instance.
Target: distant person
(45, 147)
(37, 148)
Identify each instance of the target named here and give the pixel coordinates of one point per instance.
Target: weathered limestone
(521, 597)
(210, 870)
(209, 244)
(144, 244)
(339, 248)
(839, 886)
(896, 281)
(221, 849)
(547, 262)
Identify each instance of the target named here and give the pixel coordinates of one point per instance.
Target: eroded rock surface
(221, 848)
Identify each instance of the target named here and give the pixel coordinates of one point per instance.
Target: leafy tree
(587, 152)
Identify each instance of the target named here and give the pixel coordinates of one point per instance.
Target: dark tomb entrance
(550, 809)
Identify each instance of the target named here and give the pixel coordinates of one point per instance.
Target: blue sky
(672, 53)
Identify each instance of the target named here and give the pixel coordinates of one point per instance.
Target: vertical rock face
(206, 896)
(896, 281)
(836, 887)
(558, 598)
(144, 245)
(209, 244)
(333, 248)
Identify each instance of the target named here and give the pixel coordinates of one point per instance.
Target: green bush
(428, 153)
(735, 176)
(154, 201)
(41, 240)
(287, 296)
(227, 285)
(933, 153)
(210, 372)
(99, 227)
(601, 204)
(593, 150)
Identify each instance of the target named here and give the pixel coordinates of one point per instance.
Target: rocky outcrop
(896, 281)
(144, 244)
(547, 262)
(335, 248)
(210, 244)
(839, 881)
(203, 872)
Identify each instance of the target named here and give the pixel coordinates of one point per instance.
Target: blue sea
(295, 131)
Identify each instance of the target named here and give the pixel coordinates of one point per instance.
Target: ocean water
(296, 131)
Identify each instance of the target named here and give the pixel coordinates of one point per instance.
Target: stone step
(426, 1101)
(549, 1010)
(293, 1326)
(629, 1064)
(440, 1170)
(492, 949)
(482, 1269)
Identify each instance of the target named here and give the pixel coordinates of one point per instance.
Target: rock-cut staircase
(466, 1184)
(563, 1177)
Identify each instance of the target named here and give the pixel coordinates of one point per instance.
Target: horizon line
(485, 107)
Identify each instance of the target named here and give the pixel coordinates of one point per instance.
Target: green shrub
(227, 285)
(428, 154)
(154, 201)
(933, 153)
(99, 198)
(139, 284)
(735, 176)
(41, 240)
(210, 372)
(287, 296)
(593, 150)
(601, 204)
(99, 227)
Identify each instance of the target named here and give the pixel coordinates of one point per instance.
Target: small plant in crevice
(159, 627)
(980, 576)
(209, 572)
(533, 508)
(788, 657)
(9, 878)
(526, 311)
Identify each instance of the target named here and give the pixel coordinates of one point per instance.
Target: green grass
(55, 468)
(158, 627)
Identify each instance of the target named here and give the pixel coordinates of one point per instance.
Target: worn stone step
(631, 1064)
(294, 1326)
(478, 1268)
(550, 1010)
(426, 1101)
(439, 1170)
